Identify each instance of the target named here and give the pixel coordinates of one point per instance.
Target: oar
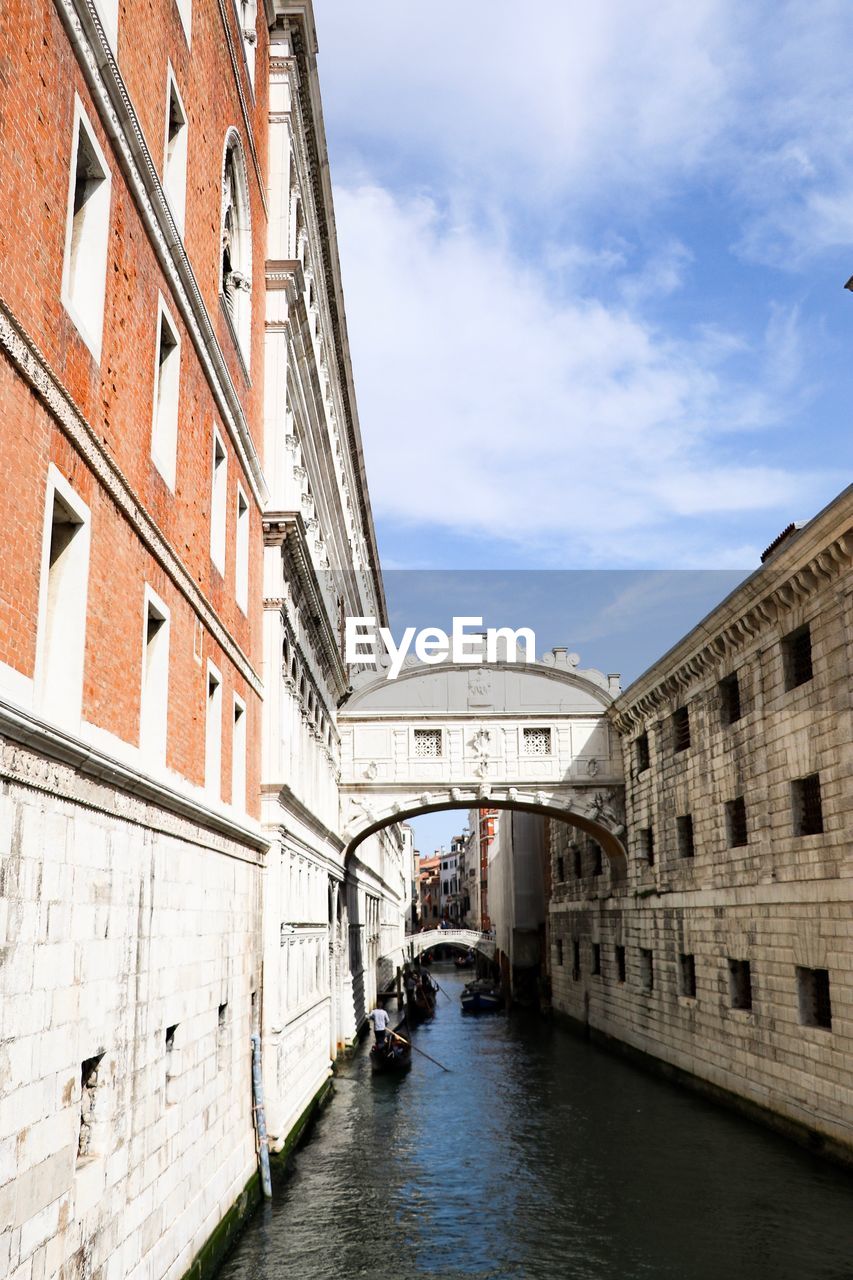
(417, 1050)
(441, 989)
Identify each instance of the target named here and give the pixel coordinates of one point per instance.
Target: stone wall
(753, 888)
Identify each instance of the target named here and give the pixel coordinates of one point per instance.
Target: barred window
(537, 742)
(641, 750)
(684, 832)
(730, 706)
(620, 963)
(807, 806)
(597, 858)
(576, 960)
(647, 845)
(647, 969)
(736, 828)
(740, 984)
(427, 743)
(681, 729)
(596, 959)
(687, 976)
(813, 991)
(797, 657)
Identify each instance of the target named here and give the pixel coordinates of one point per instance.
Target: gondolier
(380, 1021)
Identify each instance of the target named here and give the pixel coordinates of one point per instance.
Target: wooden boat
(481, 996)
(395, 1055)
(464, 962)
(420, 1004)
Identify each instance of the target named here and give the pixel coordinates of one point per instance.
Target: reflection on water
(540, 1155)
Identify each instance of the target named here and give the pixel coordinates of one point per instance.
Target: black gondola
(420, 1003)
(395, 1053)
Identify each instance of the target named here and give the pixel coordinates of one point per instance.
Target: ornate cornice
(25, 356)
(121, 124)
(764, 599)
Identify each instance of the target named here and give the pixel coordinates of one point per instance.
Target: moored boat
(395, 1053)
(481, 996)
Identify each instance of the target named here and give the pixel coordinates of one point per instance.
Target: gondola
(464, 962)
(481, 996)
(420, 1004)
(395, 1055)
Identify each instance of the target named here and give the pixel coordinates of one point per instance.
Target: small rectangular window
(684, 835)
(175, 152)
(597, 858)
(797, 657)
(218, 502)
(172, 1065)
(641, 752)
(596, 959)
(84, 268)
(537, 742)
(427, 743)
(681, 729)
(620, 963)
(577, 862)
(561, 869)
(61, 635)
(89, 1085)
(213, 734)
(647, 845)
(241, 552)
(167, 385)
(560, 952)
(155, 680)
(737, 833)
(687, 976)
(238, 756)
(740, 984)
(222, 1035)
(647, 969)
(813, 993)
(730, 708)
(576, 960)
(806, 806)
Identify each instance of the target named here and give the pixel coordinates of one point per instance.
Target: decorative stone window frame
(247, 26)
(175, 153)
(431, 729)
(212, 734)
(239, 747)
(90, 327)
(242, 532)
(218, 501)
(523, 730)
(165, 413)
(71, 644)
(235, 288)
(153, 745)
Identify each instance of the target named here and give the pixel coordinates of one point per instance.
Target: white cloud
(490, 405)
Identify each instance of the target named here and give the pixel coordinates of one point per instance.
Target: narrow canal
(537, 1157)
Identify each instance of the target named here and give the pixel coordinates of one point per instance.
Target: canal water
(539, 1156)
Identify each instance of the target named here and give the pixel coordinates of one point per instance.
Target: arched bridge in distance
(531, 736)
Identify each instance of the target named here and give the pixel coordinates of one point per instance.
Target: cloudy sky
(593, 258)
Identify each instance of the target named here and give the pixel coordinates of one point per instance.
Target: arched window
(236, 263)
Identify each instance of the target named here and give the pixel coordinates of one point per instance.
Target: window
(61, 637)
(218, 502)
(687, 976)
(577, 862)
(185, 12)
(576, 960)
(641, 753)
(596, 959)
(427, 743)
(89, 1084)
(813, 992)
(213, 734)
(445, 887)
(740, 984)
(247, 17)
(730, 708)
(175, 152)
(537, 742)
(681, 729)
(684, 835)
(241, 552)
(236, 263)
(806, 806)
(222, 1033)
(647, 969)
(620, 963)
(238, 755)
(736, 829)
(797, 657)
(171, 1065)
(560, 952)
(84, 267)
(167, 382)
(597, 858)
(155, 679)
(647, 845)
(561, 869)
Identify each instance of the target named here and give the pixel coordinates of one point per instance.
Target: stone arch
(235, 264)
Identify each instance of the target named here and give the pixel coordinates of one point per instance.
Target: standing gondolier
(380, 1021)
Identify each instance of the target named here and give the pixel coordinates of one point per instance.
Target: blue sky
(593, 259)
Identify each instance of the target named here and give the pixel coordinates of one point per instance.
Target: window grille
(730, 707)
(647, 845)
(537, 742)
(647, 969)
(687, 976)
(813, 991)
(740, 984)
(684, 834)
(620, 963)
(736, 828)
(641, 752)
(806, 805)
(681, 729)
(797, 657)
(427, 743)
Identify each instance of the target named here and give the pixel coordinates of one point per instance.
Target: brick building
(186, 523)
(726, 953)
